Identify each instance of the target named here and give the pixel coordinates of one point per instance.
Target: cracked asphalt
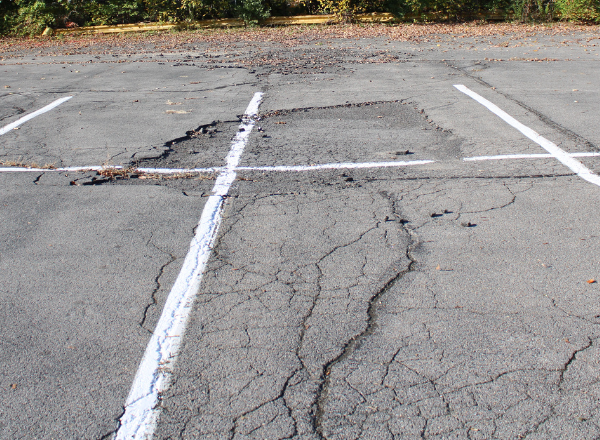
(444, 300)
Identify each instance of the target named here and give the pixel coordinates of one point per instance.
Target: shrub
(31, 17)
(533, 9)
(252, 11)
(578, 10)
(202, 9)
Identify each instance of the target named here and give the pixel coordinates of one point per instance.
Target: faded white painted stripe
(141, 408)
(527, 156)
(561, 155)
(26, 118)
(20, 169)
(584, 154)
(61, 169)
(328, 166)
(116, 167)
(338, 166)
(178, 170)
(509, 156)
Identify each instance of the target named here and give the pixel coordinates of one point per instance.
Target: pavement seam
(543, 118)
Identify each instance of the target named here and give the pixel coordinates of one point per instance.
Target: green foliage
(7, 11)
(252, 11)
(113, 12)
(30, 17)
(347, 9)
(527, 10)
(161, 10)
(426, 9)
(280, 8)
(578, 10)
(203, 9)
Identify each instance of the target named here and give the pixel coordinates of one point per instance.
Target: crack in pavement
(572, 359)
(285, 112)
(157, 283)
(371, 324)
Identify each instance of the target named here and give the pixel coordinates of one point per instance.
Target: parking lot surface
(349, 235)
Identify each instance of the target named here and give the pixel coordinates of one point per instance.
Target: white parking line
(141, 409)
(178, 170)
(526, 156)
(26, 118)
(559, 154)
(326, 166)
(338, 166)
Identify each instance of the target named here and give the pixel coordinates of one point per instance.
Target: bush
(7, 11)
(203, 9)
(29, 17)
(578, 10)
(540, 10)
(108, 12)
(252, 11)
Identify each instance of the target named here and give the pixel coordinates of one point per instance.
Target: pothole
(205, 147)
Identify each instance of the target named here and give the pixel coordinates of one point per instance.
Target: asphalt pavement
(389, 259)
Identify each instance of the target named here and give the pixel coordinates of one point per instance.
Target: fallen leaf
(176, 112)
(438, 267)
(591, 281)
(13, 386)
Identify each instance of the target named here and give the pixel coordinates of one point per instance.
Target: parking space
(83, 271)
(122, 112)
(374, 252)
